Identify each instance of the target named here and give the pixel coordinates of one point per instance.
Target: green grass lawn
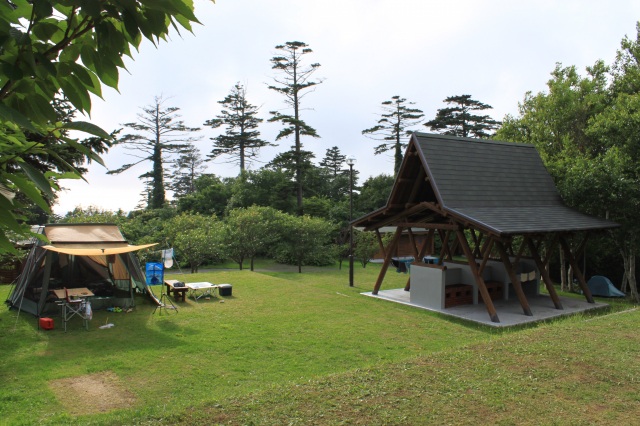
(292, 348)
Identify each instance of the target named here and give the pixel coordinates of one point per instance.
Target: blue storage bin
(154, 273)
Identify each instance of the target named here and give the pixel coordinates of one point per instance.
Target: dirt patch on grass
(92, 393)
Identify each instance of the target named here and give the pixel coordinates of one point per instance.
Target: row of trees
(399, 119)
(159, 132)
(242, 235)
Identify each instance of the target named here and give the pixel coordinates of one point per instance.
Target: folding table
(202, 289)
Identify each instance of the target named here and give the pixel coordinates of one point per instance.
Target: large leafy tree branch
(66, 49)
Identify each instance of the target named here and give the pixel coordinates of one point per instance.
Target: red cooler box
(46, 323)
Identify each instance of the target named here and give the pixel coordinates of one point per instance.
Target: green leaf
(46, 30)
(87, 127)
(91, 8)
(84, 150)
(38, 179)
(29, 189)
(78, 96)
(42, 9)
(10, 114)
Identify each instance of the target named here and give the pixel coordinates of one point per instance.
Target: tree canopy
(241, 140)
(458, 120)
(586, 129)
(156, 135)
(393, 128)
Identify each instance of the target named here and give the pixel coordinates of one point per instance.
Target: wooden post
(387, 259)
(576, 269)
(515, 280)
(486, 253)
(412, 241)
(445, 247)
(384, 254)
(544, 274)
(476, 274)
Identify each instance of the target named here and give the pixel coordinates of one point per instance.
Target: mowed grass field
(291, 348)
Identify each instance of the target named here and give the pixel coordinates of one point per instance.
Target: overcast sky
(369, 51)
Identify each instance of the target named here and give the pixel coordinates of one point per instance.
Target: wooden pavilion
(495, 205)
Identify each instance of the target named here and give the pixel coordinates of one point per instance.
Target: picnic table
(179, 293)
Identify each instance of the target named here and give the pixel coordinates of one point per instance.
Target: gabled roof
(501, 188)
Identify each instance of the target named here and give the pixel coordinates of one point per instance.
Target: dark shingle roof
(500, 187)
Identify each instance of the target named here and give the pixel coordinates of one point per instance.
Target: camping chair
(72, 307)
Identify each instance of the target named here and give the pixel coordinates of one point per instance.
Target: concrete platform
(509, 311)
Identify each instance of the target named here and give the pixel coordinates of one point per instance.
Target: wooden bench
(179, 293)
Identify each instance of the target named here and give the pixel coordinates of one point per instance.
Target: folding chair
(72, 307)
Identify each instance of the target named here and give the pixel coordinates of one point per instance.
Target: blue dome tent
(602, 286)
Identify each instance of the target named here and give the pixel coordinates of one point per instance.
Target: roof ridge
(424, 135)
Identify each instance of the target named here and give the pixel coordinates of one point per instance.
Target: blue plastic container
(154, 273)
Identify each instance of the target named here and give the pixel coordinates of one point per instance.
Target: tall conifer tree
(156, 135)
(294, 83)
(459, 120)
(241, 140)
(392, 128)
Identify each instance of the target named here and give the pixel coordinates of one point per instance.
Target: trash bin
(225, 289)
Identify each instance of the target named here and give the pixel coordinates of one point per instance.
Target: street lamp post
(351, 160)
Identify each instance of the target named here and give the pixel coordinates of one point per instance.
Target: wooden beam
(550, 250)
(544, 274)
(387, 259)
(412, 241)
(379, 237)
(476, 243)
(515, 280)
(487, 252)
(427, 225)
(406, 213)
(520, 252)
(576, 269)
(444, 237)
(416, 185)
(491, 310)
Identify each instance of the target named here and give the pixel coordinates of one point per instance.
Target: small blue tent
(602, 286)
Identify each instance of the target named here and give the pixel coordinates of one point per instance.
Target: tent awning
(97, 251)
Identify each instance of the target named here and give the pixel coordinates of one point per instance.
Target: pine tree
(458, 120)
(294, 85)
(186, 169)
(241, 141)
(334, 160)
(392, 128)
(157, 134)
